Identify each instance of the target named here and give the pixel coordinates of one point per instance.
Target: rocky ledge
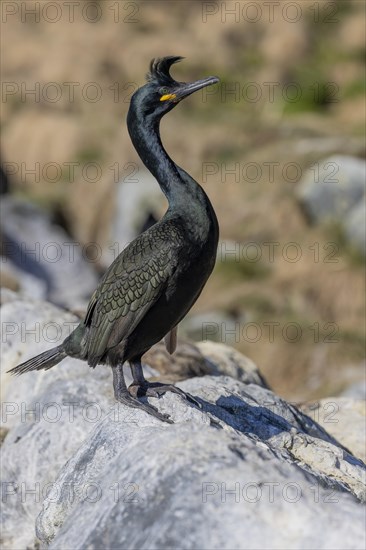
(248, 470)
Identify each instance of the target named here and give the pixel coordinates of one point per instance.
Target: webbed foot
(155, 389)
(131, 401)
(122, 395)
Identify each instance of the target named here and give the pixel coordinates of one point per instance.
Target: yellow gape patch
(167, 96)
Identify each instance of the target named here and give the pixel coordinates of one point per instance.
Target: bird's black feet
(127, 399)
(122, 395)
(154, 389)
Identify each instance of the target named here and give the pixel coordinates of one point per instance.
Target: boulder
(44, 257)
(207, 325)
(14, 278)
(246, 470)
(336, 414)
(139, 203)
(357, 390)
(332, 187)
(355, 228)
(224, 359)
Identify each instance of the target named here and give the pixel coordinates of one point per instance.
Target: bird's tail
(45, 360)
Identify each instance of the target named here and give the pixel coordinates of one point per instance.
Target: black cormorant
(154, 282)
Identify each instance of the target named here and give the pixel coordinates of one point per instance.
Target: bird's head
(162, 93)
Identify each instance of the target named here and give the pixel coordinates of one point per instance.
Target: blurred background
(278, 146)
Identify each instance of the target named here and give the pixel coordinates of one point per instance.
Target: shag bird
(156, 279)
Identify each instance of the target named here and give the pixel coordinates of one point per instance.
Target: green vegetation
(89, 154)
(242, 269)
(335, 232)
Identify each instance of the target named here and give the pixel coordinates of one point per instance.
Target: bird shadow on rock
(259, 422)
(246, 418)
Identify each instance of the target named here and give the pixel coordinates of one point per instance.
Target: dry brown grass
(220, 131)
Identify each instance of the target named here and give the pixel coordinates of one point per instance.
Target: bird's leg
(122, 395)
(141, 386)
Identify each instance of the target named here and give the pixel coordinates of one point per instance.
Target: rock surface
(247, 470)
(138, 199)
(43, 259)
(355, 227)
(344, 419)
(226, 360)
(331, 188)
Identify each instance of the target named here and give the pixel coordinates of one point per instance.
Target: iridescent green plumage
(154, 282)
(130, 287)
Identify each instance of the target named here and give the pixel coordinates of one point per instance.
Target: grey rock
(53, 411)
(336, 415)
(26, 284)
(211, 325)
(330, 189)
(177, 494)
(186, 361)
(229, 475)
(50, 428)
(327, 146)
(357, 390)
(226, 360)
(33, 245)
(138, 197)
(201, 358)
(355, 227)
(180, 494)
(29, 327)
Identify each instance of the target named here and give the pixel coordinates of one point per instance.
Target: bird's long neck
(183, 194)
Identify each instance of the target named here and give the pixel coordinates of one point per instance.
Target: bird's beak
(191, 87)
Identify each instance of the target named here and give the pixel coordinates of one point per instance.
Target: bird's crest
(159, 70)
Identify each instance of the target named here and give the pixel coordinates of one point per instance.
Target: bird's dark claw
(154, 389)
(135, 403)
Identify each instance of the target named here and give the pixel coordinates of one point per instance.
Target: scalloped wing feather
(129, 288)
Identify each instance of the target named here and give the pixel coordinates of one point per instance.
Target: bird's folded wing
(130, 287)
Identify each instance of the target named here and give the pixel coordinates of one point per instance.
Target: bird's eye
(163, 91)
